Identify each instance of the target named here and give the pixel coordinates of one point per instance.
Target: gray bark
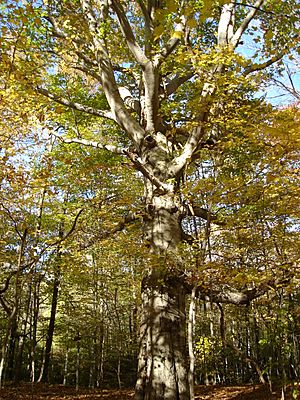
(162, 370)
(163, 361)
(191, 327)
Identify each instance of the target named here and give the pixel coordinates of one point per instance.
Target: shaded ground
(57, 392)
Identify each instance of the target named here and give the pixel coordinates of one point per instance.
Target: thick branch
(226, 25)
(6, 308)
(129, 100)
(163, 187)
(132, 44)
(151, 99)
(204, 214)
(179, 79)
(87, 71)
(119, 112)
(174, 40)
(6, 283)
(197, 133)
(191, 145)
(228, 295)
(56, 30)
(245, 23)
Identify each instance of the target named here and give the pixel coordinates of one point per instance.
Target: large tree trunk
(163, 366)
(162, 369)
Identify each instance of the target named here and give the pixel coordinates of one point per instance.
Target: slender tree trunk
(44, 372)
(4, 348)
(77, 365)
(66, 367)
(19, 358)
(36, 281)
(35, 308)
(47, 354)
(118, 371)
(100, 366)
(191, 327)
(11, 353)
(92, 357)
(12, 320)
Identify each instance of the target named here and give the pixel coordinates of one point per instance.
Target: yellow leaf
(171, 6)
(192, 23)
(59, 109)
(158, 30)
(177, 34)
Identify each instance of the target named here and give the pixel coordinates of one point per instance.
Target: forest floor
(58, 392)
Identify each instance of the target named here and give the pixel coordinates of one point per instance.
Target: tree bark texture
(162, 364)
(162, 369)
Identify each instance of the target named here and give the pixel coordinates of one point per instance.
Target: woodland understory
(37, 391)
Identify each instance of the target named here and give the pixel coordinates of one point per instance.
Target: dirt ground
(57, 392)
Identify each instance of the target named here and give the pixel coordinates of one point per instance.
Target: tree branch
(56, 30)
(174, 40)
(204, 214)
(91, 143)
(145, 14)
(11, 217)
(118, 228)
(87, 71)
(75, 106)
(291, 90)
(191, 145)
(226, 25)
(35, 259)
(71, 230)
(258, 67)
(119, 112)
(175, 83)
(3, 302)
(164, 187)
(228, 295)
(245, 23)
(256, 8)
(132, 44)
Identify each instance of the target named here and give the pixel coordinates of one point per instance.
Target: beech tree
(150, 82)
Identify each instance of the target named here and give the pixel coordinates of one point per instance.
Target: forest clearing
(52, 392)
(149, 199)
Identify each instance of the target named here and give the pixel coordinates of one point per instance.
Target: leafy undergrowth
(58, 392)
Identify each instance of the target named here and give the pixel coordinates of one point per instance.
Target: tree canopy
(119, 116)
